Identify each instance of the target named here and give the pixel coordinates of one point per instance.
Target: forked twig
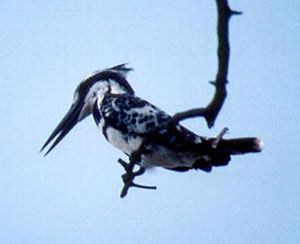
(129, 176)
(211, 111)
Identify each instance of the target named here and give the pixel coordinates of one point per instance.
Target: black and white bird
(127, 122)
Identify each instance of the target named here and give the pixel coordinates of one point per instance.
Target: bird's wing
(131, 114)
(135, 116)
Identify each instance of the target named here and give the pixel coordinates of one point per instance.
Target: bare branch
(212, 110)
(129, 176)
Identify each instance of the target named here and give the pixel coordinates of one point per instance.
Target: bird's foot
(136, 156)
(219, 137)
(129, 176)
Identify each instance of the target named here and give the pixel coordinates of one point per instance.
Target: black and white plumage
(127, 121)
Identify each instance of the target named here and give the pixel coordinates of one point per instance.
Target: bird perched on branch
(143, 131)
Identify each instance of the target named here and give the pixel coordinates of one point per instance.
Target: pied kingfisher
(128, 121)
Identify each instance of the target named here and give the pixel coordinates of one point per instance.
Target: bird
(132, 124)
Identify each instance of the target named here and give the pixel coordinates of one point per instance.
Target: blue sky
(72, 195)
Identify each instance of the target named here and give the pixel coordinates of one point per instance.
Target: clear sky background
(72, 195)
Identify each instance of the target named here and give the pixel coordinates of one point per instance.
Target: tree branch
(129, 176)
(212, 110)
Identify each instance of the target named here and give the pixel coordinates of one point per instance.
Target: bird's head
(112, 80)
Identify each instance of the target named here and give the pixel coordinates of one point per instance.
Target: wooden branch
(129, 176)
(212, 110)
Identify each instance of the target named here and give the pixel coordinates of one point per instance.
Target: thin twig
(219, 137)
(129, 176)
(211, 111)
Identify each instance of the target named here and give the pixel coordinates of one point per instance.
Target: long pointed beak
(64, 127)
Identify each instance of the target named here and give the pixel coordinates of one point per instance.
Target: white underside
(166, 158)
(160, 156)
(118, 140)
